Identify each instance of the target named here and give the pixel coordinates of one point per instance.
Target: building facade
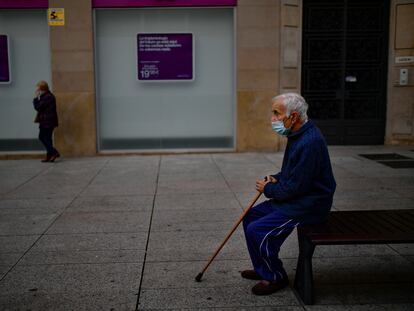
(181, 75)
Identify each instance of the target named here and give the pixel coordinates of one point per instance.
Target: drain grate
(384, 156)
(398, 164)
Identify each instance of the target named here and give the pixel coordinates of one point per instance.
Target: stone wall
(400, 103)
(258, 50)
(73, 78)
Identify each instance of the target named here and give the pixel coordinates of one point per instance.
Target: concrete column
(73, 78)
(258, 50)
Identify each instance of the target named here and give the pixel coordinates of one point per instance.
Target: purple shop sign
(24, 4)
(160, 3)
(4, 59)
(165, 56)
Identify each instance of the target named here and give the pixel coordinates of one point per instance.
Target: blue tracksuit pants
(265, 229)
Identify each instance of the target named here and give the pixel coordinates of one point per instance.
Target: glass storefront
(28, 40)
(169, 113)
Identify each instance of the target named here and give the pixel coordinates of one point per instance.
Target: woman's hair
(42, 85)
(294, 102)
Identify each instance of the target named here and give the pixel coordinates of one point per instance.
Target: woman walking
(44, 103)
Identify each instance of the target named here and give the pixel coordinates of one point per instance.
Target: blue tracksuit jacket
(306, 184)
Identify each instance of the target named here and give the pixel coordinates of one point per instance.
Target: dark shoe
(47, 159)
(267, 288)
(54, 157)
(250, 275)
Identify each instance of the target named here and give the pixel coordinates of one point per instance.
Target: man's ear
(295, 116)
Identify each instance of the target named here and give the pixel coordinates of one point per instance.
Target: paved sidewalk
(127, 232)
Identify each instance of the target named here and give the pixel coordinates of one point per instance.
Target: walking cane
(200, 275)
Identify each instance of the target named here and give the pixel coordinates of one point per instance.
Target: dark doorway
(344, 68)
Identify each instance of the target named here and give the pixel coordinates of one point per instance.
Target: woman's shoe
(54, 157)
(47, 159)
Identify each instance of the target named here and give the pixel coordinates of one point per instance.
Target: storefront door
(344, 68)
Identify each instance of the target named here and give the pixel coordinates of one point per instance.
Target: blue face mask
(280, 128)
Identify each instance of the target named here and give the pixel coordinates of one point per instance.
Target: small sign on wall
(404, 59)
(56, 16)
(5, 76)
(165, 57)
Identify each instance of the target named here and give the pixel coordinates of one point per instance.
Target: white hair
(294, 102)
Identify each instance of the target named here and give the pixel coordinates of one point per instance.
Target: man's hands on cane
(261, 183)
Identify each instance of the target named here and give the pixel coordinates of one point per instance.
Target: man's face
(278, 111)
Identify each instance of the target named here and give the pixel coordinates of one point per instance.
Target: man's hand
(271, 179)
(260, 184)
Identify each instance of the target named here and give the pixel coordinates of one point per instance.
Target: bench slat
(363, 227)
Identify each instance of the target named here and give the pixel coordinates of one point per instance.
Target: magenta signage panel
(4, 59)
(24, 4)
(160, 3)
(165, 56)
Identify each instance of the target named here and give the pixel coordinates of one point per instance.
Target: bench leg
(304, 278)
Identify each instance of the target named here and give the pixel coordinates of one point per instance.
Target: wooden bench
(349, 227)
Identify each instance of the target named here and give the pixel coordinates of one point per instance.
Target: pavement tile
(359, 183)
(217, 297)
(196, 202)
(369, 194)
(333, 251)
(186, 163)
(400, 182)
(192, 184)
(63, 301)
(191, 169)
(195, 245)
(150, 162)
(182, 274)
(120, 187)
(3, 270)
(33, 206)
(403, 249)
(71, 278)
(95, 222)
(26, 224)
(372, 293)
(410, 259)
(16, 243)
(13, 180)
(200, 220)
(112, 203)
(40, 190)
(91, 242)
(360, 270)
(79, 257)
(9, 259)
(246, 159)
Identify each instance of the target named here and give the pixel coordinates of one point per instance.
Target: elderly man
(300, 193)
